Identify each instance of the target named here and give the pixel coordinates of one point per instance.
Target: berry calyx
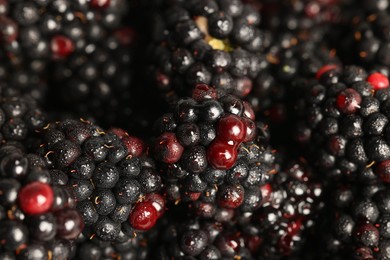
(143, 216)
(36, 198)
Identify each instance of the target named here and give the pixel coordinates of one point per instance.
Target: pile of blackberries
(194, 129)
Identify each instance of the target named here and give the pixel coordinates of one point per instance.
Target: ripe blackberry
(20, 118)
(301, 16)
(210, 149)
(39, 218)
(199, 239)
(115, 184)
(290, 56)
(97, 75)
(355, 221)
(135, 248)
(84, 49)
(218, 43)
(290, 207)
(341, 118)
(364, 41)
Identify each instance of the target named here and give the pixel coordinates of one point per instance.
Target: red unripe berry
(61, 46)
(221, 155)
(348, 101)
(251, 130)
(266, 192)
(378, 81)
(382, 169)
(248, 111)
(202, 92)
(325, 69)
(8, 29)
(167, 148)
(231, 196)
(134, 145)
(36, 198)
(231, 128)
(157, 201)
(143, 216)
(100, 4)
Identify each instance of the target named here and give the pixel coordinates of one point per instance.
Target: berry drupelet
(342, 120)
(38, 218)
(216, 42)
(209, 149)
(115, 184)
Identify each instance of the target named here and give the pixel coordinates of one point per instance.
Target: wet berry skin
(348, 101)
(378, 81)
(168, 149)
(221, 155)
(231, 128)
(36, 198)
(69, 224)
(231, 196)
(143, 216)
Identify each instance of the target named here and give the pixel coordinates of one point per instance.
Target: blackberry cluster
(79, 48)
(218, 43)
(364, 40)
(20, 118)
(38, 219)
(301, 16)
(209, 149)
(289, 57)
(114, 183)
(92, 249)
(196, 239)
(356, 223)
(290, 208)
(342, 121)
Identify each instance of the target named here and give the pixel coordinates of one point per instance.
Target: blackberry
(20, 119)
(36, 33)
(199, 239)
(85, 49)
(291, 204)
(358, 219)
(217, 43)
(363, 40)
(210, 149)
(115, 183)
(41, 220)
(343, 114)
